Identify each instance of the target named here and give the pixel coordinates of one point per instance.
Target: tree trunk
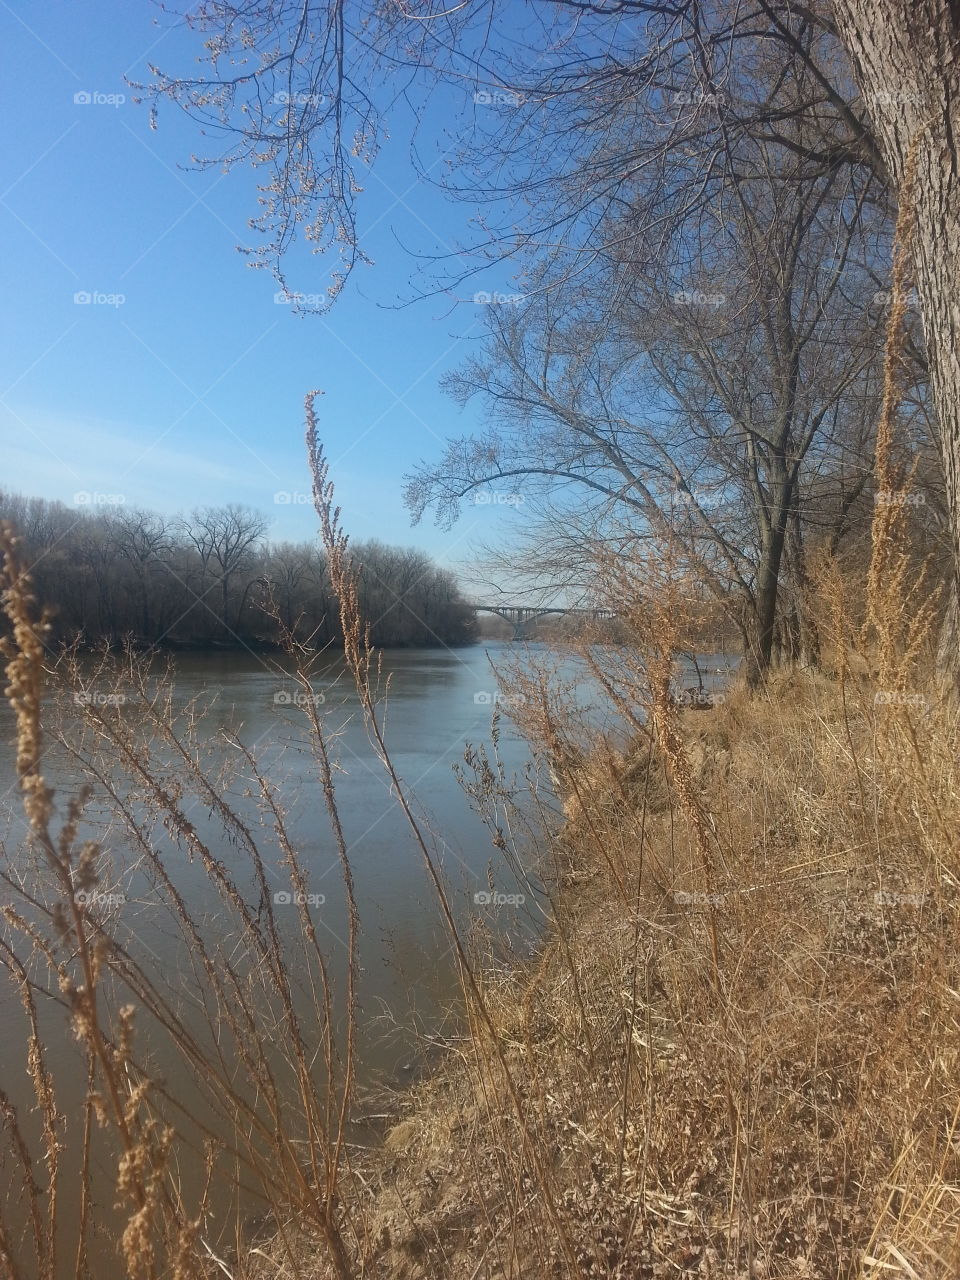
(949, 645)
(768, 577)
(807, 632)
(144, 607)
(907, 58)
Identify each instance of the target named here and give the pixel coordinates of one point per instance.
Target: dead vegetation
(735, 1054)
(738, 1049)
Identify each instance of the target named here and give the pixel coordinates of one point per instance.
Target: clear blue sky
(190, 391)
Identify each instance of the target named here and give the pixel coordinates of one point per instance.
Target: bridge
(523, 617)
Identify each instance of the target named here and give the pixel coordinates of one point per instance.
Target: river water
(438, 704)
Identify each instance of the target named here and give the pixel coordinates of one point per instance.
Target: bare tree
(579, 112)
(566, 109)
(686, 397)
(286, 572)
(224, 538)
(143, 540)
(906, 58)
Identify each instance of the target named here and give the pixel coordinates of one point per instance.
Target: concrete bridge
(523, 617)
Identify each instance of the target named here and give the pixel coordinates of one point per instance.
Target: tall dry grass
(738, 1048)
(265, 1047)
(735, 1052)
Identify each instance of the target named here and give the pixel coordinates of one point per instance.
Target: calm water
(439, 702)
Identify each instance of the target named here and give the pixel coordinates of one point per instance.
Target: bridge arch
(522, 616)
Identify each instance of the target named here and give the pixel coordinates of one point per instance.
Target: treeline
(211, 579)
(706, 388)
(717, 361)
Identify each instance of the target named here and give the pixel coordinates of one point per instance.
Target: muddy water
(439, 702)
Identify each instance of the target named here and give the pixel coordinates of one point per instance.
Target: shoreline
(625, 1073)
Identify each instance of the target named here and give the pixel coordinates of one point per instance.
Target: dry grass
(265, 1046)
(738, 1049)
(751, 1067)
(735, 1054)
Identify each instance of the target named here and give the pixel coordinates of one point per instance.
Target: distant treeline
(211, 579)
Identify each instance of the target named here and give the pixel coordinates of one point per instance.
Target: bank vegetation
(734, 1053)
(115, 575)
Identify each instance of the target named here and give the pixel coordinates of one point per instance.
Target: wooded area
(698, 200)
(211, 579)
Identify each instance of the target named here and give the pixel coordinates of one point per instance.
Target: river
(439, 703)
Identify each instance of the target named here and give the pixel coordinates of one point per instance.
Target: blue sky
(189, 391)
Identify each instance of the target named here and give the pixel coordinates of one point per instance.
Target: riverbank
(236, 644)
(737, 1052)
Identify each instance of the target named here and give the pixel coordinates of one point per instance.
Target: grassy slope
(748, 1066)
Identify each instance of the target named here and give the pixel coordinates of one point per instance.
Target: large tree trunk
(907, 57)
(807, 632)
(768, 583)
(949, 645)
(763, 632)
